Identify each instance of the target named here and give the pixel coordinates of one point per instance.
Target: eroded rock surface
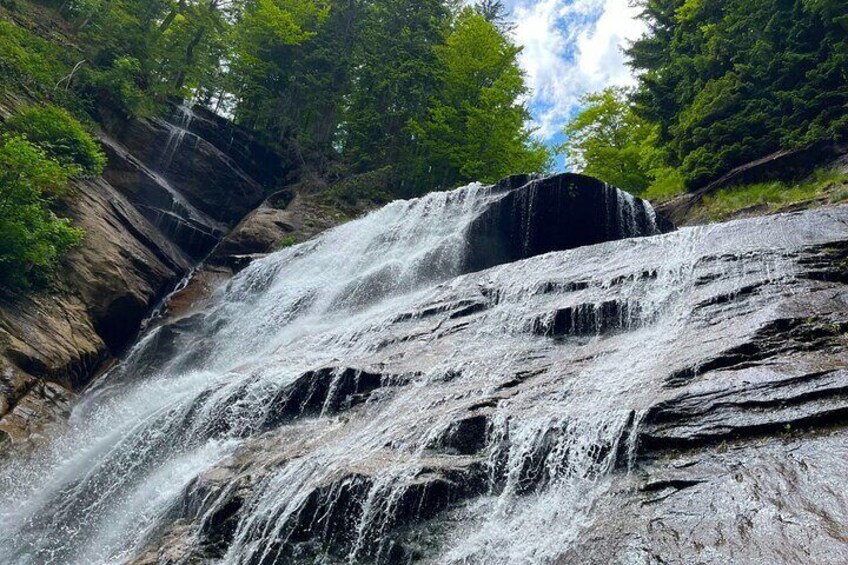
(363, 397)
(685, 408)
(168, 196)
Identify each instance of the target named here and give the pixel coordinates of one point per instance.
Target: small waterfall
(362, 397)
(177, 134)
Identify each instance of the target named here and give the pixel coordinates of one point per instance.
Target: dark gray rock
(541, 215)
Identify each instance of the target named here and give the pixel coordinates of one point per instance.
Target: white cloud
(600, 48)
(572, 47)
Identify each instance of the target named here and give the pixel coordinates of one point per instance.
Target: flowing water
(558, 356)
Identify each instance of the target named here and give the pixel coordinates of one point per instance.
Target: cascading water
(359, 398)
(178, 131)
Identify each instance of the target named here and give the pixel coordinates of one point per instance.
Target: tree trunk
(172, 15)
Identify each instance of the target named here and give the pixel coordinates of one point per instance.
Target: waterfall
(177, 134)
(363, 397)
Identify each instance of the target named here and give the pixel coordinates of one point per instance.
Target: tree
(607, 139)
(261, 66)
(475, 128)
(495, 12)
(32, 238)
(189, 43)
(394, 76)
(731, 81)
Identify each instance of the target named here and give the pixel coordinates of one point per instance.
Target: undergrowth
(777, 194)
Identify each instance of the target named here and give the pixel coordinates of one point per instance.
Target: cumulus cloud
(571, 47)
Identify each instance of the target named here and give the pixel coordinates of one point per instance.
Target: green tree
(189, 44)
(475, 128)
(605, 140)
(731, 81)
(266, 70)
(496, 13)
(394, 77)
(32, 238)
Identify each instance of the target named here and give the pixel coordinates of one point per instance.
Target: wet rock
(538, 216)
(64, 335)
(705, 394)
(199, 171)
(268, 167)
(763, 502)
(168, 196)
(325, 391)
(195, 232)
(589, 319)
(286, 218)
(465, 436)
(44, 405)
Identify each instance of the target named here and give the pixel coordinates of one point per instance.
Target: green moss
(286, 242)
(773, 195)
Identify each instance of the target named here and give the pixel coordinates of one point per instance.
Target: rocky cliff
(676, 399)
(173, 188)
(532, 372)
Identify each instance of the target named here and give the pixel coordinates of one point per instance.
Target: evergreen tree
(394, 77)
(729, 81)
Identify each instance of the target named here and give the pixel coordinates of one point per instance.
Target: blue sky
(571, 47)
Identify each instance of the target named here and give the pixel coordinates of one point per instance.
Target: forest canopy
(720, 83)
(425, 90)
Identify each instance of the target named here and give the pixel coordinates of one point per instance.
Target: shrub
(372, 187)
(32, 238)
(28, 62)
(286, 242)
(61, 137)
(120, 82)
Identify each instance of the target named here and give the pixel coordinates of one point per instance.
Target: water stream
(557, 355)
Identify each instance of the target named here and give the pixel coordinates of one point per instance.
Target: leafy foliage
(730, 81)
(475, 127)
(610, 141)
(32, 238)
(371, 187)
(381, 86)
(121, 83)
(27, 62)
(393, 78)
(61, 137)
(268, 73)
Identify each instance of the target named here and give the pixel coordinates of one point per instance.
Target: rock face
(194, 177)
(168, 196)
(553, 214)
(369, 396)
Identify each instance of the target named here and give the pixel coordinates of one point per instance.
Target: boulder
(541, 215)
